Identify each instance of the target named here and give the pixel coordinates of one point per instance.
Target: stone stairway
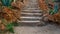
(31, 16)
(31, 13)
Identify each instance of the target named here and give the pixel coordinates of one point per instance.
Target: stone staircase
(31, 13)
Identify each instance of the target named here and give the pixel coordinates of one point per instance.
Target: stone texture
(48, 29)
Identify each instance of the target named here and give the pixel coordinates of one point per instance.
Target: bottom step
(27, 24)
(28, 21)
(31, 24)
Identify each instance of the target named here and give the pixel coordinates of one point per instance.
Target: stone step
(32, 3)
(23, 17)
(39, 15)
(29, 21)
(31, 9)
(32, 16)
(28, 24)
(27, 11)
(31, 13)
(32, 6)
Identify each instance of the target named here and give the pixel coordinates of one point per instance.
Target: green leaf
(10, 27)
(11, 30)
(51, 11)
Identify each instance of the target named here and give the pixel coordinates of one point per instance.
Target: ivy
(10, 27)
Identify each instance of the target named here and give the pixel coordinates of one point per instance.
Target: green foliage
(6, 2)
(10, 27)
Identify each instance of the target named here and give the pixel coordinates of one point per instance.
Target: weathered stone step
(30, 17)
(31, 13)
(28, 24)
(32, 3)
(27, 11)
(31, 9)
(29, 21)
(32, 6)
